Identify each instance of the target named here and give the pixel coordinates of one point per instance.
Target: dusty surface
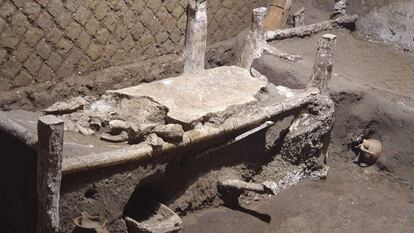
(194, 96)
(373, 88)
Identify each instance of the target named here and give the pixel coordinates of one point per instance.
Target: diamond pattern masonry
(48, 40)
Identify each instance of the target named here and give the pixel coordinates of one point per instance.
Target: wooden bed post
(322, 68)
(196, 36)
(255, 38)
(49, 173)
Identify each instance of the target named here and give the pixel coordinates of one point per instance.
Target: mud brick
(18, 3)
(74, 56)
(11, 67)
(162, 14)
(129, 19)
(65, 70)
(92, 25)
(8, 39)
(45, 74)
(94, 51)
(178, 11)
(43, 49)
(121, 31)
(101, 10)
(112, 3)
(33, 64)
(137, 30)
(170, 5)
(82, 15)
(64, 46)
(73, 30)
(84, 64)
(22, 51)
(54, 36)
(43, 3)
(102, 35)
(138, 7)
(64, 18)
(4, 84)
(154, 5)
(91, 4)
(45, 21)
(146, 18)
(55, 8)
(32, 10)
(128, 43)
(72, 5)
(7, 10)
(83, 40)
(54, 60)
(146, 39)
(161, 37)
(155, 26)
(19, 23)
(2, 23)
(111, 46)
(22, 79)
(110, 22)
(182, 23)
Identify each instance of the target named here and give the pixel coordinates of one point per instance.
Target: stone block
(54, 60)
(84, 40)
(22, 51)
(43, 49)
(92, 25)
(101, 10)
(11, 67)
(32, 10)
(64, 46)
(73, 30)
(94, 51)
(33, 64)
(33, 35)
(19, 23)
(45, 21)
(102, 35)
(22, 79)
(82, 15)
(45, 74)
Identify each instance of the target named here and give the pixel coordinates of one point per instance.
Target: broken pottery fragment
(164, 220)
(88, 223)
(73, 105)
(170, 132)
(122, 137)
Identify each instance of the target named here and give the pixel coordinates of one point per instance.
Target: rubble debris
(170, 132)
(66, 107)
(118, 126)
(122, 137)
(299, 17)
(164, 220)
(155, 141)
(88, 222)
(196, 36)
(311, 29)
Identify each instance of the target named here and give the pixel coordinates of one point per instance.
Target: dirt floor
(373, 88)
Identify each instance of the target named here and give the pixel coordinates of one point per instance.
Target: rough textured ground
(373, 87)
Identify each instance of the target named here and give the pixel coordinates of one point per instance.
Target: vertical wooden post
(299, 17)
(255, 38)
(196, 36)
(49, 172)
(322, 68)
(339, 8)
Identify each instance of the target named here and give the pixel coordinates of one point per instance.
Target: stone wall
(49, 40)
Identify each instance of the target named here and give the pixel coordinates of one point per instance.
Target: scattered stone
(154, 141)
(256, 198)
(118, 126)
(86, 131)
(271, 187)
(73, 105)
(122, 137)
(170, 132)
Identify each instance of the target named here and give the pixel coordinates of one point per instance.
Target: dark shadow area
(18, 198)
